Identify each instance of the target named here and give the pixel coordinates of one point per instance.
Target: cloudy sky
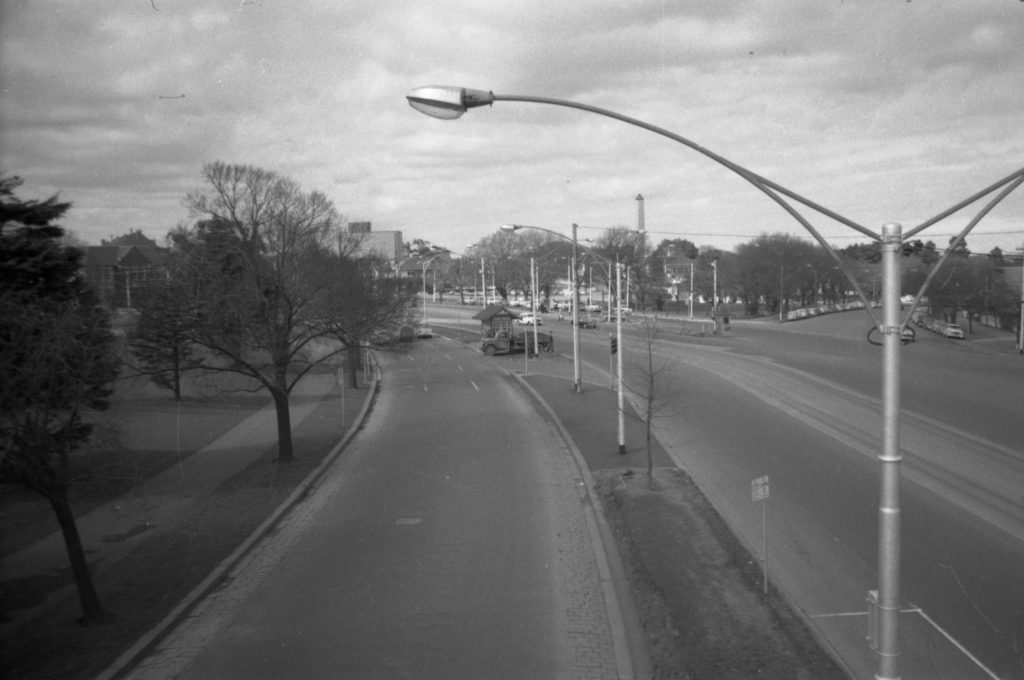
(881, 110)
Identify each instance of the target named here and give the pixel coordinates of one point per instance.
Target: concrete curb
(631, 654)
(149, 640)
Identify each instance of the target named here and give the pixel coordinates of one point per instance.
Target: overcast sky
(883, 110)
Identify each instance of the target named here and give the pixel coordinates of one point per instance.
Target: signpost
(759, 492)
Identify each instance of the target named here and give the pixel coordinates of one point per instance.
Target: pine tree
(161, 339)
(56, 359)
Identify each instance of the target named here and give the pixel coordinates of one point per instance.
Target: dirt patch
(698, 590)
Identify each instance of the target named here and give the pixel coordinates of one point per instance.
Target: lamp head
(446, 102)
(511, 227)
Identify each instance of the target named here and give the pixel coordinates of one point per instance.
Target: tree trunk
(353, 358)
(285, 453)
(650, 456)
(177, 373)
(92, 611)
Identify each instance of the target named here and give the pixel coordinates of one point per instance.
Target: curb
(149, 640)
(630, 646)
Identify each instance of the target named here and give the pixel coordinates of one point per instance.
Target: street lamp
(575, 295)
(451, 102)
(576, 325)
(425, 267)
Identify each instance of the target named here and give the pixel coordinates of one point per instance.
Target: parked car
(529, 319)
(591, 308)
(953, 330)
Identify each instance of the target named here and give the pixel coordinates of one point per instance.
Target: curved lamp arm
(448, 102)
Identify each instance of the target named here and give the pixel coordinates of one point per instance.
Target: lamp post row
(451, 102)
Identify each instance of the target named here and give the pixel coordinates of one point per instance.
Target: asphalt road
(801, 404)
(449, 541)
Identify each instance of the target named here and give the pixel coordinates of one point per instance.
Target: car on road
(424, 332)
(907, 335)
(529, 319)
(953, 330)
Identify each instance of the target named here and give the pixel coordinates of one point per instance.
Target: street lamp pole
(1020, 322)
(575, 311)
(576, 297)
(425, 267)
(889, 525)
(451, 102)
(714, 288)
(533, 302)
(691, 291)
(618, 354)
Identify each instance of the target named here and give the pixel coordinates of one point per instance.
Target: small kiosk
(495, 318)
(497, 335)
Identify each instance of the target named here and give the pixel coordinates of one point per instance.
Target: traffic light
(615, 343)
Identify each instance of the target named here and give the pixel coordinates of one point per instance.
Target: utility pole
(1020, 322)
(887, 643)
(618, 342)
(642, 271)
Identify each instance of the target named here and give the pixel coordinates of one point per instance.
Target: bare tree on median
(652, 384)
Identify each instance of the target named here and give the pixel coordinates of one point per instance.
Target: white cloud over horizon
(882, 110)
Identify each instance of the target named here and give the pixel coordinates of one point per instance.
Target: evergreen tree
(56, 359)
(161, 339)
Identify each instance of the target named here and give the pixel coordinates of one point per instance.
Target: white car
(424, 332)
(953, 330)
(530, 320)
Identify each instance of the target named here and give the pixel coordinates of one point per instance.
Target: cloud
(882, 110)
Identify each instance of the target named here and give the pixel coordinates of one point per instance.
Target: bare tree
(363, 305)
(652, 385)
(261, 272)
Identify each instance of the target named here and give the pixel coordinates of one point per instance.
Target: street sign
(759, 489)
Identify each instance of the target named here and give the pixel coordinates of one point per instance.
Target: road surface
(804, 409)
(449, 541)
(800, 403)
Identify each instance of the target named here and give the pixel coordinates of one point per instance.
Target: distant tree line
(766, 275)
